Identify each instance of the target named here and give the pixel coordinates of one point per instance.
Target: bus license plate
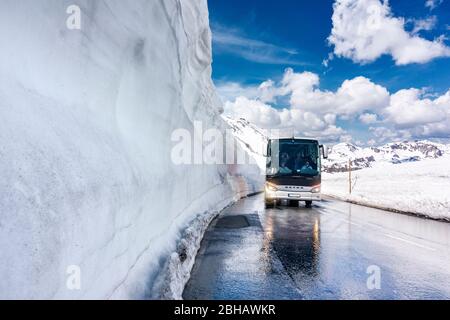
(290, 195)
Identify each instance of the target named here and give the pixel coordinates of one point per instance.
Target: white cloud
(364, 30)
(407, 108)
(267, 91)
(426, 24)
(432, 4)
(313, 112)
(288, 121)
(254, 111)
(384, 134)
(327, 61)
(346, 138)
(359, 94)
(330, 118)
(352, 97)
(410, 112)
(368, 118)
(230, 90)
(232, 41)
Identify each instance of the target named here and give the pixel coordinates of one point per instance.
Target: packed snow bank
(422, 188)
(85, 142)
(170, 284)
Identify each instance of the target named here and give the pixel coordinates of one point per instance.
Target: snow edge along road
(177, 269)
(384, 208)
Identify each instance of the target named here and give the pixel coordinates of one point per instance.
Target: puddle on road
(233, 222)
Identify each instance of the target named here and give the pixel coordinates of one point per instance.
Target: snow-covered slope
(253, 139)
(85, 142)
(421, 187)
(395, 153)
(410, 176)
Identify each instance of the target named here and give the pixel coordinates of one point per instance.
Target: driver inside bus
(284, 163)
(307, 166)
(303, 164)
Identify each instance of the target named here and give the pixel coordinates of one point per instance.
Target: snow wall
(88, 189)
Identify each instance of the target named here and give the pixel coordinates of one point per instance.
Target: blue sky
(254, 41)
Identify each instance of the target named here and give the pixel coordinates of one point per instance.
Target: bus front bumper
(292, 195)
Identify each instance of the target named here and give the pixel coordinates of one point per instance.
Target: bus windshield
(293, 157)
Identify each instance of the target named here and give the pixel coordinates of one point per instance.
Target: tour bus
(293, 171)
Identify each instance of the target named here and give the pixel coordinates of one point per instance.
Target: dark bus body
(293, 171)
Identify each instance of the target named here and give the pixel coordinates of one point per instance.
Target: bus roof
(295, 138)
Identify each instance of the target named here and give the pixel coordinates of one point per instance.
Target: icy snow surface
(86, 121)
(421, 187)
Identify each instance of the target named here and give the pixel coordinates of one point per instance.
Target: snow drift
(421, 188)
(86, 121)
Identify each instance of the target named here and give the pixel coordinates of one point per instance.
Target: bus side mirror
(266, 151)
(324, 149)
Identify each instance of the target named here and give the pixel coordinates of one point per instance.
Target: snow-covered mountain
(255, 140)
(394, 153)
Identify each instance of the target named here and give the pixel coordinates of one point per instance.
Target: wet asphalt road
(321, 253)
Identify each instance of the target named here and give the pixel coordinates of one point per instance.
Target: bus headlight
(271, 187)
(316, 189)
